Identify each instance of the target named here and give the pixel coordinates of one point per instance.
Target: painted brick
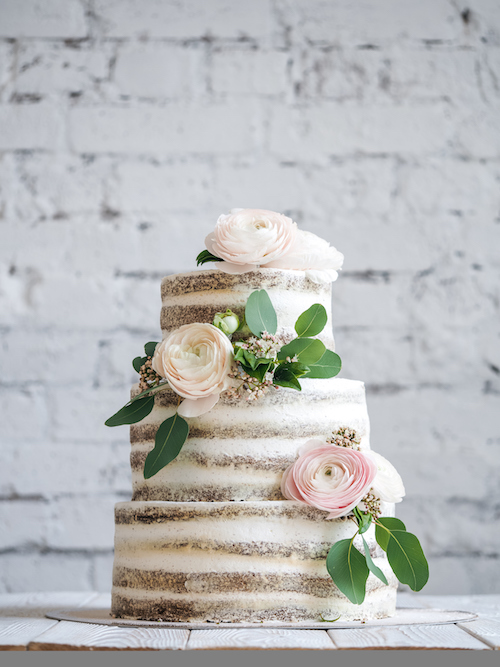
(102, 572)
(52, 67)
(173, 129)
(96, 468)
(249, 72)
(78, 415)
(159, 70)
(189, 19)
(152, 186)
(47, 18)
(23, 523)
(452, 186)
(55, 357)
(26, 572)
(30, 127)
(16, 405)
(478, 134)
(331, 129)
(276, 187)
(83, 522)
(376, 23)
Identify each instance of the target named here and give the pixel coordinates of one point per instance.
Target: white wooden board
(408, 637)
(37, 604)
(17, 632)
(485, 629)
(259, 638)
(66, 636)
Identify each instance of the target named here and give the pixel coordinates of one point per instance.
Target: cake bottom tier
(236, 562)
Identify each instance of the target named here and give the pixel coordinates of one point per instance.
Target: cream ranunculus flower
(311, 254)
(250, 237)
(196, 360)
(387, 485)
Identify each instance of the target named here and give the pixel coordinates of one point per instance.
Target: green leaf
(364, 520)
(348, 569)
(296, 367)
(312, 321)
(260, 315)
(258, 372)
(283, 377)
(149, 392)
(149, 348)
(327, 367)
(138, 362)
(371, 565)
(132, 412)
(206, 256)
(382, 535)
(307, 350)
(170, 437)
(407, 559)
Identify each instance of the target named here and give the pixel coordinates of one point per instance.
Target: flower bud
(227, 322)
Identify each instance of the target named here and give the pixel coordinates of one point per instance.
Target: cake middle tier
(239, 450)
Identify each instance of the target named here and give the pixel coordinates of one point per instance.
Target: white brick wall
(128, 126)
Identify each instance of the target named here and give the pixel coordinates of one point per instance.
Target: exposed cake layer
(249, 561)
(196, 297)
(239, 450)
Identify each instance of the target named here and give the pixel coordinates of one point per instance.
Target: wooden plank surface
(258, 638)
(68, 636)
(35, 605)
(484, 629)
(485, 605)
(16, 633)
(406, 637)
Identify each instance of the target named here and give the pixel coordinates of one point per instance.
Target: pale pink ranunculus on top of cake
(329, 477)
(196, 360)
(250, 237)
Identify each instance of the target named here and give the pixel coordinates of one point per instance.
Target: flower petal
(229, 267)
(191, 407)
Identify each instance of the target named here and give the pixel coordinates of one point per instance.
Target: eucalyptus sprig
(304, 356)
(349, 568)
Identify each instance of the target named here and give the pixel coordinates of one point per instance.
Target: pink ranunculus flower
(249, 237)
(196, 360)
(311, 254)
(329, 477)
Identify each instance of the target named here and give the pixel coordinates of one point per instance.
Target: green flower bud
(227, 322)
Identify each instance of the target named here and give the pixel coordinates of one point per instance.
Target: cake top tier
(198, 295)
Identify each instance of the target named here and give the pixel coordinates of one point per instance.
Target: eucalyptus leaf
(258, 373)
(206, 256)
(260, 315)
(364, 520)
(296, 367)
(382, 534)
(327, 367)
(149, 392)
(283, 377)
(371, 565)
(170, 437)
(149, 348)
(312, 321)
(348, 569)
(132, 412)
(407, 559)
(307, 350)
(138, 362)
